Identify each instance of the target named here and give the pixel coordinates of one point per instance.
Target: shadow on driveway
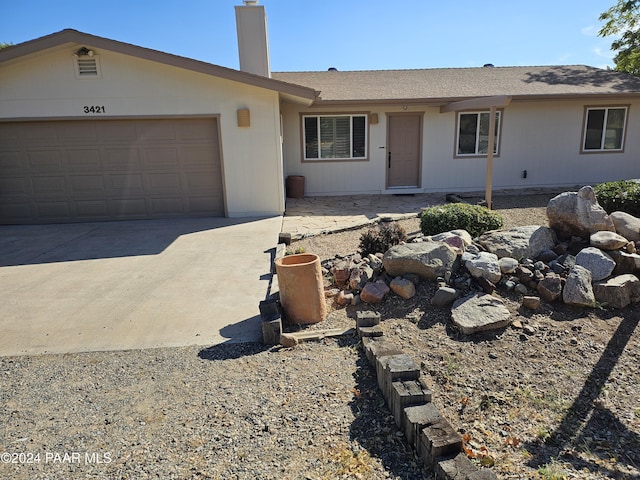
(38, 244)
(133, 284)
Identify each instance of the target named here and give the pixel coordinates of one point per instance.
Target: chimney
(253, 45)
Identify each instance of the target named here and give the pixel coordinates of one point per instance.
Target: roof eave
(441, 101)
(74, 36)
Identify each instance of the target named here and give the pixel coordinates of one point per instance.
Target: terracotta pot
(295, 186)
(301, 288)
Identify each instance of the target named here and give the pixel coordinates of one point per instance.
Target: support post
(490, 147)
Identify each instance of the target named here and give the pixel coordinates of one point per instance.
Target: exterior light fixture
(244, 117)
(373, 118)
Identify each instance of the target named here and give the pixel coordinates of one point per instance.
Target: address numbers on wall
(94, 109)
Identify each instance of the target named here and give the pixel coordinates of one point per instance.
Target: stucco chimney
(253, 44)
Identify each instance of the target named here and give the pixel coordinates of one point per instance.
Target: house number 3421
(94, 109)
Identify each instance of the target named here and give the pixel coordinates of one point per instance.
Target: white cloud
(590, 31)
(601, 53)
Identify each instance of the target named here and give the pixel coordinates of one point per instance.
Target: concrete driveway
(134, 284)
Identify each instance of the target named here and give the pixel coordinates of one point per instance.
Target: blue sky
(346, 34)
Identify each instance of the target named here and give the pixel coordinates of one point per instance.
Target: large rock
(479, 312)
(599, 263)
(484, 265)
(341, 273)
(520, 242)
(577, 289)
(627, 225)
(360, 276)
(625, 262)
(444, 296)
(606, 240)
(403, 287)
(508, 265)
(618, 292)
(578, 213)
(428, 259)
(550, 287)
(457, 239)
(374, 292)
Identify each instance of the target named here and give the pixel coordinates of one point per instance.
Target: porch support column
(493, 103)
(492, 134)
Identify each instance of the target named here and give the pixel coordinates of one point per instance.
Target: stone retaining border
(436, 444)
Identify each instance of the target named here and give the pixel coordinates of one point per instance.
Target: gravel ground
(238, 411)
(557, 396)
(553, 396)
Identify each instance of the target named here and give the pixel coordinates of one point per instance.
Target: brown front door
(403, 151)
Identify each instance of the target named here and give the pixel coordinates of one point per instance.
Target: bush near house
(620, 196)
(473, 218)
(382, 238)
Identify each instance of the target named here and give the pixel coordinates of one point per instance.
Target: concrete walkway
(311, 216)
(131, 285)
(315, 215)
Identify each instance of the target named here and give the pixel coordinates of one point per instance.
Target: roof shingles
(446, 84)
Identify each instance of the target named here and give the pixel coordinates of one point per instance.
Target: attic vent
(87, 67)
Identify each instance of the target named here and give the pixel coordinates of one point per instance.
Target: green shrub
(622, 196)
(473, 218)
(382, 238)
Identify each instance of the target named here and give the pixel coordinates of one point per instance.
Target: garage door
(88, 170)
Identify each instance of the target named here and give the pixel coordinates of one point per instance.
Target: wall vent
(87, 67)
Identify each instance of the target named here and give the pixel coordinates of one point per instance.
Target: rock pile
(583, 258)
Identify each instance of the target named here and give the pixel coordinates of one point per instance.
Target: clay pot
(301, 288)
(295, 186)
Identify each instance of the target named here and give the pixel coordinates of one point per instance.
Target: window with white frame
(604, 129)
(335, 137)
(473, 133)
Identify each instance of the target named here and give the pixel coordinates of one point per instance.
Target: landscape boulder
(531, 302)
(444, 296)
(344, 298)
(625, 262)
(430, 260)
(627, 225)
(618, 292)
(599, 263)
(341, 273)
(374, 292)
(508, 265)
(459, 240)
(550, 287)
(519, 242)
(484, 265)
(606, 240)
(375, 262)
(403, 288)
(578, 213)
(577, 289)
(479, 312)
(360, 276)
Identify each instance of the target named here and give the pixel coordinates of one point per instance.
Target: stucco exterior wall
(44, 86)
(543, 138)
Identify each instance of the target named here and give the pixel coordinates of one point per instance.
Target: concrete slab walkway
(130, 285)
(315, 215)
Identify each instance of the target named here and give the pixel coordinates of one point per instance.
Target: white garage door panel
(70, 171)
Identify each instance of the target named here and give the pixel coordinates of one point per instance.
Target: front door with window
(403, 151)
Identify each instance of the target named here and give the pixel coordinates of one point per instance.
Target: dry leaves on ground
(552, 396)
